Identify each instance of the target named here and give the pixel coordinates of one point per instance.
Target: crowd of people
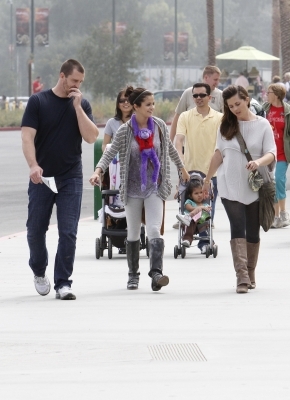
(203, 138)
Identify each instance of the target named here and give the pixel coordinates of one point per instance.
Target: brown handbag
(267, 191)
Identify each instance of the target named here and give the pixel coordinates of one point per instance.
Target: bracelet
(206, 181)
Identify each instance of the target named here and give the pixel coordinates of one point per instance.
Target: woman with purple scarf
(145, 151)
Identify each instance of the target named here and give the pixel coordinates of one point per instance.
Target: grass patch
(10, 118)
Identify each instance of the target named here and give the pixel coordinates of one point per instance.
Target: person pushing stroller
(196, 215)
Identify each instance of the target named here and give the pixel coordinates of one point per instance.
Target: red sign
(41, 26)
(22, 26)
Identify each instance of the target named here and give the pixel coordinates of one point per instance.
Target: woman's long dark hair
(230, 124)
(118, 112)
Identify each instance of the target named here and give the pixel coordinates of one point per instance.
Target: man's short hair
(278, 89)
(210, 70)
(69, 65)
(201, 84)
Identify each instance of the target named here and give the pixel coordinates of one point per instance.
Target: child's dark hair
(193, 184)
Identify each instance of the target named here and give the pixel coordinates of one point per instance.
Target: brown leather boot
(239, 253)
(253, 252)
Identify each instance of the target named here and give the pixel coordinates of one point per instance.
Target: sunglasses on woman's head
(201, 95)
(123, 101)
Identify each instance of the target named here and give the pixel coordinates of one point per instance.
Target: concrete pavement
(112, 343)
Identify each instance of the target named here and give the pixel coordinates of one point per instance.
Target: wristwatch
(206, 181)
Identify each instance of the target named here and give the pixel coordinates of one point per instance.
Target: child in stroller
(195, 219)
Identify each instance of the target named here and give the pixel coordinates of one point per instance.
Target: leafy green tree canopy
(109, 69)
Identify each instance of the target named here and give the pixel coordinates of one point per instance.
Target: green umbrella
(246, 53)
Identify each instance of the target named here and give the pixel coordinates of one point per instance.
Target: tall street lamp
(175, 45)
(30, 63)
(11, 33)
(114, 23)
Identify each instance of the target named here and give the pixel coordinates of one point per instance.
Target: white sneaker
(203, 249)
(277, 223)
(185, 219)
(176, 225)
(185, 243)
(42, 285)
(65, 293)
(284, 217)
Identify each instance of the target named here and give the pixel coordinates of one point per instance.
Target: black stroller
(114, 224)
(179, 249)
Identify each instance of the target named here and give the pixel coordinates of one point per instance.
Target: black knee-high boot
(133, 251)
(156, 249)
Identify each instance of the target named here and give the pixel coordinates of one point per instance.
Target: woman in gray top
(144, 153)
(240, 201)
(123, 113)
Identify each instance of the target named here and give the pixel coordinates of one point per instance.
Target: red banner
(168, 42)
(182, 46)
(41, 26)
(22, 26)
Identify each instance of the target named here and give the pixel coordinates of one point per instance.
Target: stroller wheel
(175, 251)
(98, 248)
(110, 248)
(215, 251)
(207, 251)
(183, 251)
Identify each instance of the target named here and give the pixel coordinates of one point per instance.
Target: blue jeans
(68, 203)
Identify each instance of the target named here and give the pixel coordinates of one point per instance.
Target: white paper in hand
(50, 182)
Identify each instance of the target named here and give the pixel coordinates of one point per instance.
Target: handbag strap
(243, 146)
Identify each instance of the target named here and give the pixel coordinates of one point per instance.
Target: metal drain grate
(176, 352)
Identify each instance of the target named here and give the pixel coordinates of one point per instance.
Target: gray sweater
(122, 144)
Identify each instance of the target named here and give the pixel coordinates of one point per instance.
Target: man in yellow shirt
(197, 131)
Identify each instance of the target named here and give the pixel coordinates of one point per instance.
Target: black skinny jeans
(244, 220)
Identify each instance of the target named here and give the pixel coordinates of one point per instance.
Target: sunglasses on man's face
(201, 95)
(123, 101)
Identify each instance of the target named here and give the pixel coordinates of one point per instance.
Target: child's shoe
(185, 219)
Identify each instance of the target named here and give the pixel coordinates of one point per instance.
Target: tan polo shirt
(200, 137)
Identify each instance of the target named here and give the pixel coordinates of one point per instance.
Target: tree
(210, 29)
(276, 36)
(285, 22)
(109, 69)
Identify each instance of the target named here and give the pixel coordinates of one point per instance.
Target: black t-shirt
(58, 142)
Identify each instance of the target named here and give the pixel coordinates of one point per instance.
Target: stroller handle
(110, 192)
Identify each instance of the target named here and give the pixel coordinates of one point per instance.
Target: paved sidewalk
(105, 344)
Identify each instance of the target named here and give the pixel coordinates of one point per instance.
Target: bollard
(97, 193)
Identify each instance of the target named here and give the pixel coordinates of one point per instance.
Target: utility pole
(114, 23)
(223, 27)
(175, 45)
(31, 61)
(11, 47)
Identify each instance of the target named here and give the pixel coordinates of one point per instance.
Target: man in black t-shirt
(54, 124)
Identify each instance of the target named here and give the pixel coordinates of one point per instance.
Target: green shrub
(103, 110)
(165, 109)
(10, 118)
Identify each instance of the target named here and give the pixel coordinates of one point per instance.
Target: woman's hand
(95, 179)
(253, 165)
(206, 189)
(185, 175)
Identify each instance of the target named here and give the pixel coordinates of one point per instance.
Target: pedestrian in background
(144, 151)
(239, 200)
(278, 114)
(37, 86)
(54, 124)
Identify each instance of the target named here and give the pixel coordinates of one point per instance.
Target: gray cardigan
(122, 144)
